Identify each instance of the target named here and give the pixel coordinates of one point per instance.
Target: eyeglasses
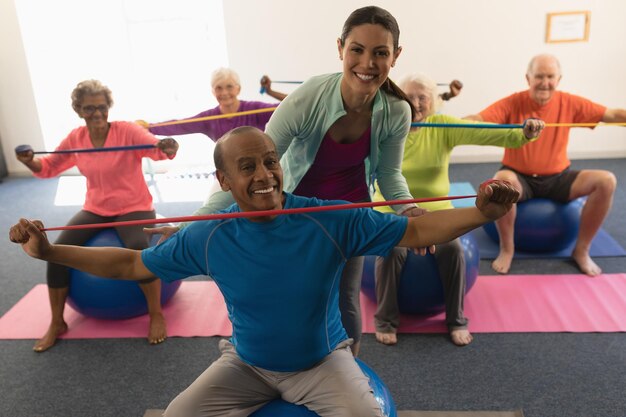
(92, 109)
(422, 98)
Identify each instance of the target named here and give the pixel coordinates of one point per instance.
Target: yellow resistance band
(583, 124)
(218, 116)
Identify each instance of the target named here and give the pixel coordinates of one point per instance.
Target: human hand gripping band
(261, 213)
(491, 181)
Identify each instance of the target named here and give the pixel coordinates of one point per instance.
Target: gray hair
(531, 64)
(428, 83)
(224, 74)
(90, 88)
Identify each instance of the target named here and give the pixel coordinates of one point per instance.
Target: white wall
(484, 43)
(155, 55)
(19, 120)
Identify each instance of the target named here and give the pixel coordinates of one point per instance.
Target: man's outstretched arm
(614, 116)
(495, 198)
(109, 262)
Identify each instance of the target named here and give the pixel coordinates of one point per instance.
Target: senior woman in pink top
(116, 191)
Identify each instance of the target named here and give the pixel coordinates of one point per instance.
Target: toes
(461, 337)
(386, 338)
(157, 340)
(41, 348)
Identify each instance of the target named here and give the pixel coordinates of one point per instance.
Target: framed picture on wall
(568, 27)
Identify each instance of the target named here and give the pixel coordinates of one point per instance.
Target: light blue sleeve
(289, 119)
(391, 182)
(279, 127)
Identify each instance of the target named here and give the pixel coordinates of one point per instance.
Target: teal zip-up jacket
(300, 122)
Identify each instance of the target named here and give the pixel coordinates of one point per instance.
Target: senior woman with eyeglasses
(425, 166)
(116, 191)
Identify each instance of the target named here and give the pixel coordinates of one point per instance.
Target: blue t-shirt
(280, 279)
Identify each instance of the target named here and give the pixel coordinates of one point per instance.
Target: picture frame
(568, 26)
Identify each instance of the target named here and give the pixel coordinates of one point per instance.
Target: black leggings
(133, 237)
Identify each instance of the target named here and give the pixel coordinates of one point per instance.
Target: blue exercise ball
(543, 225)
(278, 408)
(421, 290)
(111, 299)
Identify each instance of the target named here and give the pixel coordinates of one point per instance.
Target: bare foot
(158, 330)
(585, 263)
(461, 337)
(386, 338)
(502, 263)
(49, 339)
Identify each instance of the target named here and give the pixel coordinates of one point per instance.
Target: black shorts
(554, 187)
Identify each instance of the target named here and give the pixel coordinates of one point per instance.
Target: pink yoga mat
(530, 303)
(496, 304)
(197, 309)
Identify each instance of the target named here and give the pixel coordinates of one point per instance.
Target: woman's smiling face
(368, 55)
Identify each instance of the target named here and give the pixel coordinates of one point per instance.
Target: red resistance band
(261, 213)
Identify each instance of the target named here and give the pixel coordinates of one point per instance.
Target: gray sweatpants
(451, 265)
(231, 388)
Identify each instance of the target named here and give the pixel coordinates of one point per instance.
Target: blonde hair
(90, 88)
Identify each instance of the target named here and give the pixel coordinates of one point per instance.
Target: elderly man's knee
(510, 176)
(609, 182)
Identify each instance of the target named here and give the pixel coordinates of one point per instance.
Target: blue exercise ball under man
(280, 408)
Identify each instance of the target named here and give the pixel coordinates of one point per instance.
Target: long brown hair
(378, 16)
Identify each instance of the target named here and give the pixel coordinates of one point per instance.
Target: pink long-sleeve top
(115, 181)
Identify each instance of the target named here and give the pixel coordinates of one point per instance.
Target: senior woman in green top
(336, 132)
(425, 167)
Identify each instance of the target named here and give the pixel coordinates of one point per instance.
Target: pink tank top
(338, 171)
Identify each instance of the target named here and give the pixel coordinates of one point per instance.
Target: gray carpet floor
(545, 375)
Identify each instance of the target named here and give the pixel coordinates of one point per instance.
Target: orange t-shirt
(548, 154)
